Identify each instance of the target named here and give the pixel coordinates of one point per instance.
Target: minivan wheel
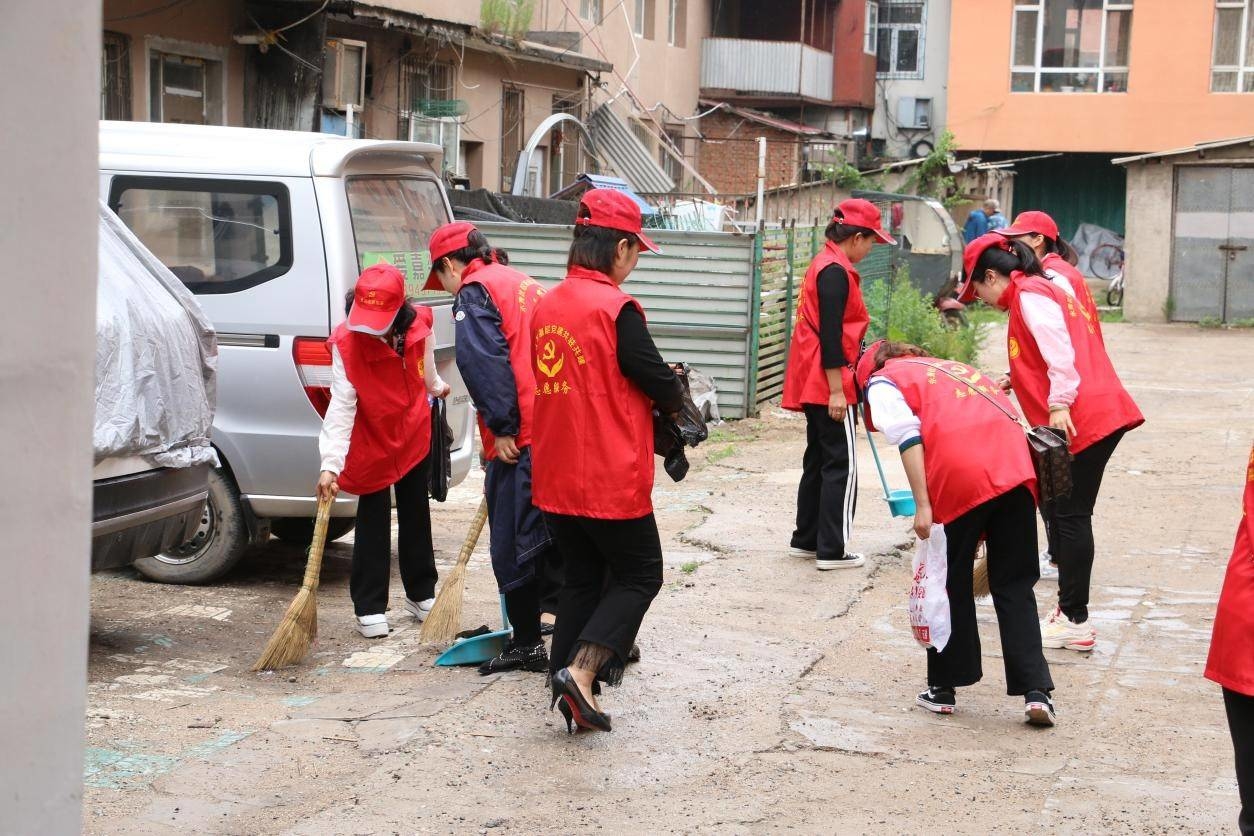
(217, 545)
(299, 530)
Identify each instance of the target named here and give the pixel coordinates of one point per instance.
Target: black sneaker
(1038, 709)
(518, 658)
(938, 700)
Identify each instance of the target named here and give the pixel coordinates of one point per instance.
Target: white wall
(47, 350)
(933, 84)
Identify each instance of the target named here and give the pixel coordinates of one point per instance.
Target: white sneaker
(1058, 632)
(419, 609)
(372, 626)
(851, 560)
(793, 551)
(1049, 569)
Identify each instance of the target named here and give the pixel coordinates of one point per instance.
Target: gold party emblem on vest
(548, 362)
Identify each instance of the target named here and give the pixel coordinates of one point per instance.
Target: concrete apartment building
(911, 77)
(476, 77)
(1087, 81)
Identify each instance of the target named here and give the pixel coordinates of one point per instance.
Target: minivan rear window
(393, 218)
(217, 236)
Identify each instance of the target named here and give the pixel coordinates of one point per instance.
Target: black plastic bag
(672, 433)
(442, 438)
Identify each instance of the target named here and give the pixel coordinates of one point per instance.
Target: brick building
(728, 151)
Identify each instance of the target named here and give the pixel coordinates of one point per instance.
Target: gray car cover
(156, 357)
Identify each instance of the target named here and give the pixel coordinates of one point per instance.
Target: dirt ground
(770, 697)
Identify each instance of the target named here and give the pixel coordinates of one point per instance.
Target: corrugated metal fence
(698, 296)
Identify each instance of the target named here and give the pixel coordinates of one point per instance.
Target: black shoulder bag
(441, 461)
(1050, 455)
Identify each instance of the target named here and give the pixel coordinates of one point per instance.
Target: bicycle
(1106, 263)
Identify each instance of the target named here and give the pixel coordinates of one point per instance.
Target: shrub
(900, 311)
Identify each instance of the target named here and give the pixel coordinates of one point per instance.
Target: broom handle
(313, 567)
(476, 527)
(866, 425)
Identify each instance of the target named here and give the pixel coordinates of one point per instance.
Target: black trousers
(613, 572)
(827, 496)
(550, 573)
(1070, 523)
(1008, 525)
(372, 546)
(1240, 710)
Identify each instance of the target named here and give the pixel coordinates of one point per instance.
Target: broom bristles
(299, 627)
(979, 578)
(445, 618)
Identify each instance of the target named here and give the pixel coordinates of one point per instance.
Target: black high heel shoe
(575, 708)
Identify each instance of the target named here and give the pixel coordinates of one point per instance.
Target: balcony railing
(766, 69)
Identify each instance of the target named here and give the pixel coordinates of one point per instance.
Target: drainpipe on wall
(761, 180)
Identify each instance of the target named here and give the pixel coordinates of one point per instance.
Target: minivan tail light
(313, 363)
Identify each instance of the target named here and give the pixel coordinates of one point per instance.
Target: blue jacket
(977, 225)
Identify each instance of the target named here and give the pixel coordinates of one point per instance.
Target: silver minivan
(269, 229)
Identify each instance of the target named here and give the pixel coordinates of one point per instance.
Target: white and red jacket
(1046, 362)
(391, 418)
(515, 295)
(1071, 281)
(805, 381)
(1231, 659)
(592, 442)
(973, 451)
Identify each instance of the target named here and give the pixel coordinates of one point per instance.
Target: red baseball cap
(446, 240)
(858, 212)
(1031, 222)
(971, 256)
(862, 375)
(613, 209)
(379, 294)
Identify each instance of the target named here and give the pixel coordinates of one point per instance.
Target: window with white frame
(1070, 46)
(428, 111)
(184, 89)
(1232, 56)
(870, 26)
(676, 22)
(590, 10)
(642, 18)
(899, 40)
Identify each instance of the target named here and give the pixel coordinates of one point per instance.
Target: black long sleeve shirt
(833, 289)
(640, 362)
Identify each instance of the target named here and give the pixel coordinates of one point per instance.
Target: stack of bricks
(729, 154)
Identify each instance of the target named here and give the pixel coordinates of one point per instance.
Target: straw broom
(299, 627)
(979, 575)
(445, 618)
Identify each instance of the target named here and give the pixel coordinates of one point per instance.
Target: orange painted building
(1160, 69)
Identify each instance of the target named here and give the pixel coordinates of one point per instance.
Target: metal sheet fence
(698, 296)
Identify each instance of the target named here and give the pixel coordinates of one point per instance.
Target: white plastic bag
(929, 602)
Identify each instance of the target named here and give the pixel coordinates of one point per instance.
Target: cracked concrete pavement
(770, 697)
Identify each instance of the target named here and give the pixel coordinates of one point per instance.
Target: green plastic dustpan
(479, 649)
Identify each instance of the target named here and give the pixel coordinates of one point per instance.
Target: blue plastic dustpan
(900, 501)
(478, 649)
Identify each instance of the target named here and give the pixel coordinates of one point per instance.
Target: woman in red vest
(376, 436)
(598, 377)
(970, 472)
(831, 322)
(492, 312)
(1231, 660)
(1058, 260)
(1063, 378)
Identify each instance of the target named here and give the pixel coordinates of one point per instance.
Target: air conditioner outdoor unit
(914, 113)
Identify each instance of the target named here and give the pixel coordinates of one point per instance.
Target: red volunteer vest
(952, 414)
(804, 380)
(392, 426)
(1102, 406)
(1231, 659)
(1056, 265)
(592, 442)
(514, 295)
